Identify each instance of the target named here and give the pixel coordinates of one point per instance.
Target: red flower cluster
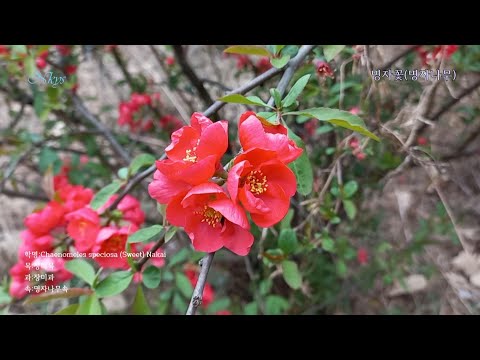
(362, 256)
(244, 62)
(259, 181)
(137, 114)
(432, 57)
(354, 144)
(323, 69)
(69, 214)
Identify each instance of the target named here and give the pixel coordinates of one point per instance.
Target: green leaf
(146, 234)
(330, 51)
(4, 296)
(341, 268)
(276, 305)
(247, 50)
(18, 51)
(179, 257)
(114, 283)
(91, 306)
(82, 269)
(39, 104)
(302, 167)
(141, 161)
(277, 97)
(30, 66)
(47, 158)
(337, 117)
(240, 99)
(69, 310)
(123, 173)
(183, 284)
(219, 304)
(140, 304)
(270, 116)
(170, 233)
(295, 91)
(328, 244)
(151, 277)
(350, 188)
(287, 241)
(280, 62)
(104, 194)
(350, 209)
(291, 274)
(179, 303)
(251, 309)
(278, 48)
(287, 220)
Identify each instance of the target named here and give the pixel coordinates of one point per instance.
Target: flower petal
(237, 239)
(232, 212)
(202, 194)
(278, 173)
(183, 139)
(204, 236)
(199, 122)
(176, 213)
(234, 175)
(251, 203)
(213, 141)
(164, 189)
(278, 203)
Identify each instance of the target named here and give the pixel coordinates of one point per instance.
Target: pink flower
(109, 243)
(211, 220)
(45, 220)
(129, 206)
(83, 228)
(362, 256)
(355, 110)
(255, 132)
(323, 69)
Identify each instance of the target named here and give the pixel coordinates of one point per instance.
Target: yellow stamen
(257, 181)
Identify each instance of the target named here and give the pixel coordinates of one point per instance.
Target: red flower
(138, 100)
(74, 197)
(354, 143)
(323, 69)
(256, 132)
(422, 141)
(242, 61)
(41, 63)
(360, 155)
(83, 228)
(223, 312)
(4, 50)
(208, 294)
(70, 69)
(64, 50)
(362, 256)
(129, 206)
(109, 243)
(263, 65)
(45, 220)
(170, 60)
(198, 141)
(211, 219)
(310, 126)
(32, 242)
(263, 184)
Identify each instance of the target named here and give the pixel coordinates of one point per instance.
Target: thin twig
(35, 197)
(202, 279)
(191, 75)
(117, 148)
(398, 57)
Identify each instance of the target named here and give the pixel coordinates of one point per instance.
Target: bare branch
(202, 279)
(117, 148)
(191, 75)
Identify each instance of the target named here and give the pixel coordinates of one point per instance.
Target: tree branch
(92, 120)
(202, 279)
(291, 67)
(35, 197)
(398, 57)
(191, 75)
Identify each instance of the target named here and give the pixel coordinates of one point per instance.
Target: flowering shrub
(271, 207)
